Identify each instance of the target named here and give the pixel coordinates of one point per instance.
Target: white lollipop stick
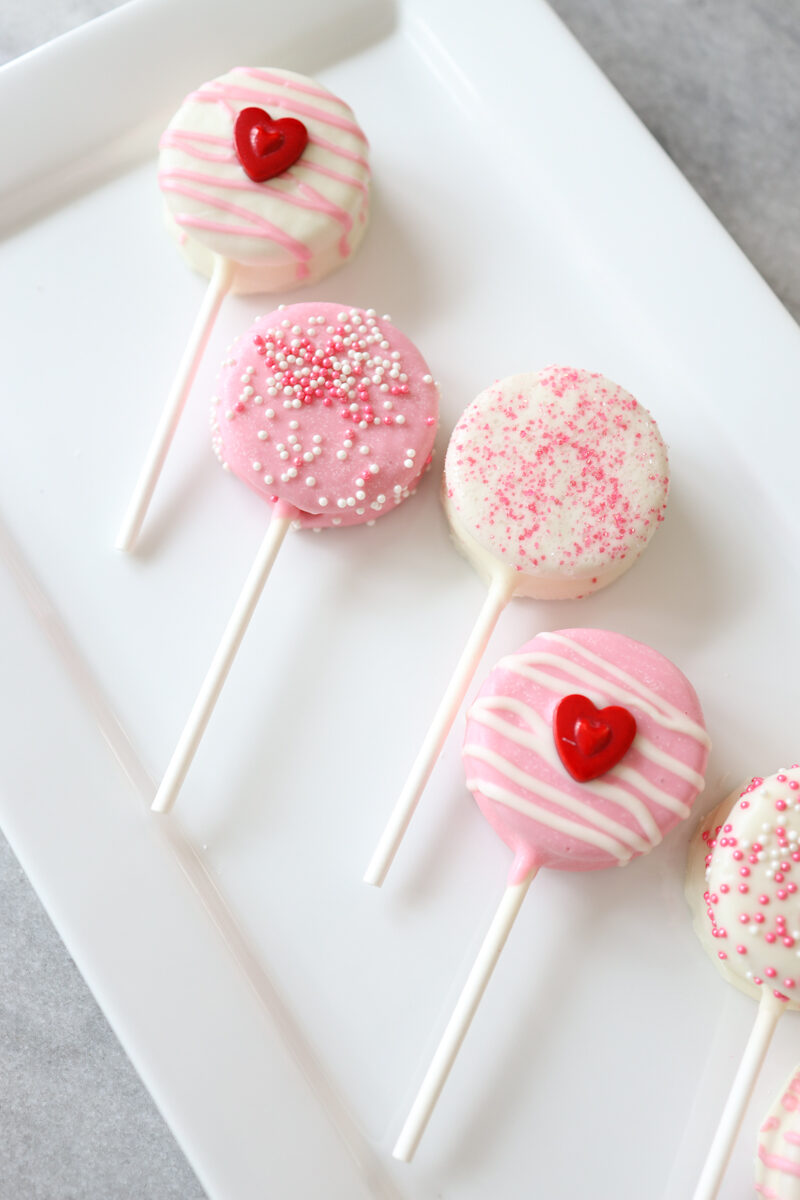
(461, 1019)
(220, 282)
(769, 1011)
(500, 592)
(282, 517)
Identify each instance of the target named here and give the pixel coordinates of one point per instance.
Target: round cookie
(742, 886)
(557, 768)
(290, 228)
(559, 478)
(329, 409)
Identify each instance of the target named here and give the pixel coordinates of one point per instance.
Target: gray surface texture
(716, 82)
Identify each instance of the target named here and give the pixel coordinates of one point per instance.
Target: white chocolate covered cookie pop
(742, 886)
(778, 1146)
(265, 180)
(267, 169)
(582, 750)
(554, 484)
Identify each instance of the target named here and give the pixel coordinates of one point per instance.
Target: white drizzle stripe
(523, 665)
(670, 762)
(697, 731)
(536, 724)
(582, 833)
(546, 791)
(483, 711)
(643, 784)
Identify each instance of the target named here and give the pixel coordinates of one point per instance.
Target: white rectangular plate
(280, 1012)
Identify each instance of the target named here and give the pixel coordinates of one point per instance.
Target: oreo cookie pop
(330, 415)
(582, 750)
(554, 484)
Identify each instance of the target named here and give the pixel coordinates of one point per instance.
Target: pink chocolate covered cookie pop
(530, 754)
(742, 886)
(582, 750)
(265, 181)
(331, 410)
(554, 484)
(330, 414)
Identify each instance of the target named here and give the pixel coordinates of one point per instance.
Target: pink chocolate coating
(561, 475)
(515, 773)
(329, 409)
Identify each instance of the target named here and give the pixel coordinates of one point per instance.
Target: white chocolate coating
(743, 886)
(292, 229)
(559, 477)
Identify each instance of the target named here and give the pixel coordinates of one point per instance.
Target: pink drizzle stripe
(792, 1137)
(304, 197)
(766, 1190)
(176, 141)
(227, 92)
(259, 227)
(270, 77)
(334, 149)
(217, 226)
(778, 1163)
(314, 199)
(194, 135)
(331, 174)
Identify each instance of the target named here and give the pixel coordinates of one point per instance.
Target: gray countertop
(716, 82)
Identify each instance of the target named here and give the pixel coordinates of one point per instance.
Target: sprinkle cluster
(752, 874)
(320, 408)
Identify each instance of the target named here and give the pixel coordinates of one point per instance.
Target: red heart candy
(264, 147)
(590, 740)
(591, 736)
